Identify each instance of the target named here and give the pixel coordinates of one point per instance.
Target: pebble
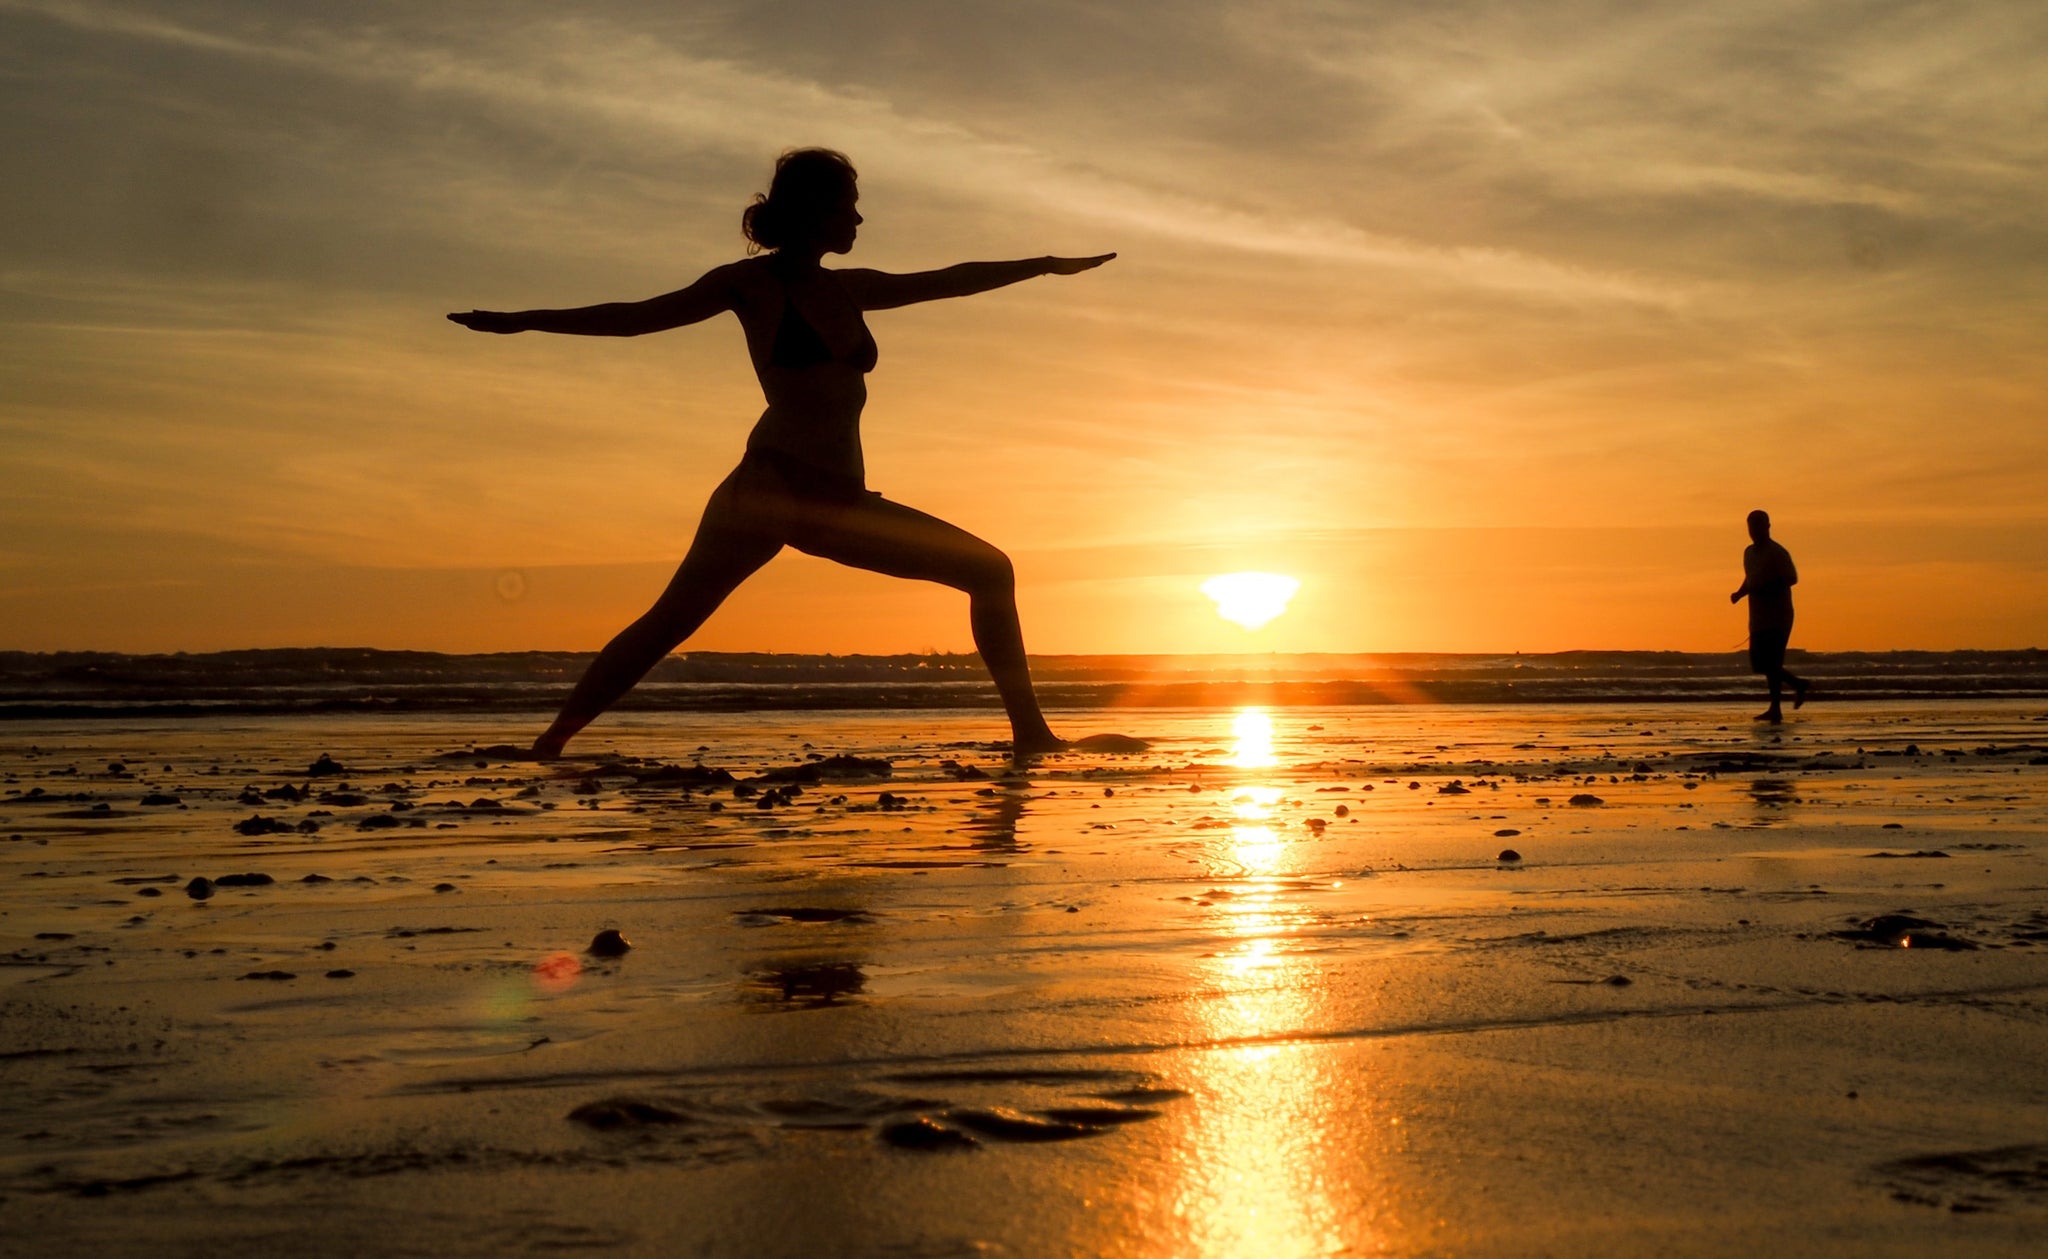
(609, 943)
(1509, 854)
(624, 1112)
(923, 1134)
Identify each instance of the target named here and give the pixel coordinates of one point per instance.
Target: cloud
(593, 79)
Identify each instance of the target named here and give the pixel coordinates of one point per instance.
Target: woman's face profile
(836, 231)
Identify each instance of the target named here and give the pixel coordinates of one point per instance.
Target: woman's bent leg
(718, 561)
(884, 537)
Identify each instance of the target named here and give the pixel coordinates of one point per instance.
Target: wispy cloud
(568, 75)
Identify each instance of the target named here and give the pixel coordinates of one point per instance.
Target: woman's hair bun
(808, 185)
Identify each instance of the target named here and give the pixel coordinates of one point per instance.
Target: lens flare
(557, 972)
(1250, 599)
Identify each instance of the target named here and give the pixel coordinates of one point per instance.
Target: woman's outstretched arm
(881, 290)
(711, 295)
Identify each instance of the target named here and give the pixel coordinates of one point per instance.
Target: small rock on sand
(609, 943)
(615, 1113)
(1905, 931)
(495, 752)
(832, 767)
(923, 1134)
(199, 888)
(1509, 854)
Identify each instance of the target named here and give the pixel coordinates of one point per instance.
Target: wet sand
(1740, 988)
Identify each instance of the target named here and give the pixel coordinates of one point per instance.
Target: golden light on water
(1250, 599)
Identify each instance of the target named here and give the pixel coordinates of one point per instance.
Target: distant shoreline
(287, 681)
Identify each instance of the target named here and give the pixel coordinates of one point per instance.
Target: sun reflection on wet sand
(1254, 730)
(1255, 848)
(1264, 1168)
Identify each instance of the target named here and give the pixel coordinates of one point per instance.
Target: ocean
(308, 680)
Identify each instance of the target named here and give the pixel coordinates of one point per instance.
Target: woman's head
(809, 202)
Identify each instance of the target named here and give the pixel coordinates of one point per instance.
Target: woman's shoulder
(751, 280)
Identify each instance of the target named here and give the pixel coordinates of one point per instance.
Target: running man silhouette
(803, 482)
(1767, 580)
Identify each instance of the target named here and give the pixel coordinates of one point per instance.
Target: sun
(1250, 599)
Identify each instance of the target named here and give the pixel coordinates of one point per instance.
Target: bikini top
(798, 345)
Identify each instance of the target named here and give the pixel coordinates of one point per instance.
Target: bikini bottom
(806, 482)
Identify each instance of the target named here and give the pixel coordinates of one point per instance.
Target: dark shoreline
(62, 685)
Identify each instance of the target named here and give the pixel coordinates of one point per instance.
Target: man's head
(1759, 526)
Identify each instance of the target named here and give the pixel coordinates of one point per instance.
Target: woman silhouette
(802, 482)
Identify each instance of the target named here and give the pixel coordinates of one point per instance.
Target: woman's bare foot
(548, 747)
(1023, 749)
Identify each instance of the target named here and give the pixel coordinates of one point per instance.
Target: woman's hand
(498, 321)
(1075, 266)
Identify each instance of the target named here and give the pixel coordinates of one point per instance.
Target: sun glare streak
(1250, 599)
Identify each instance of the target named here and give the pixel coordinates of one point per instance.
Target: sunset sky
(1486, 322)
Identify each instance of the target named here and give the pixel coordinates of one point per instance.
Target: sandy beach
(336, 986)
